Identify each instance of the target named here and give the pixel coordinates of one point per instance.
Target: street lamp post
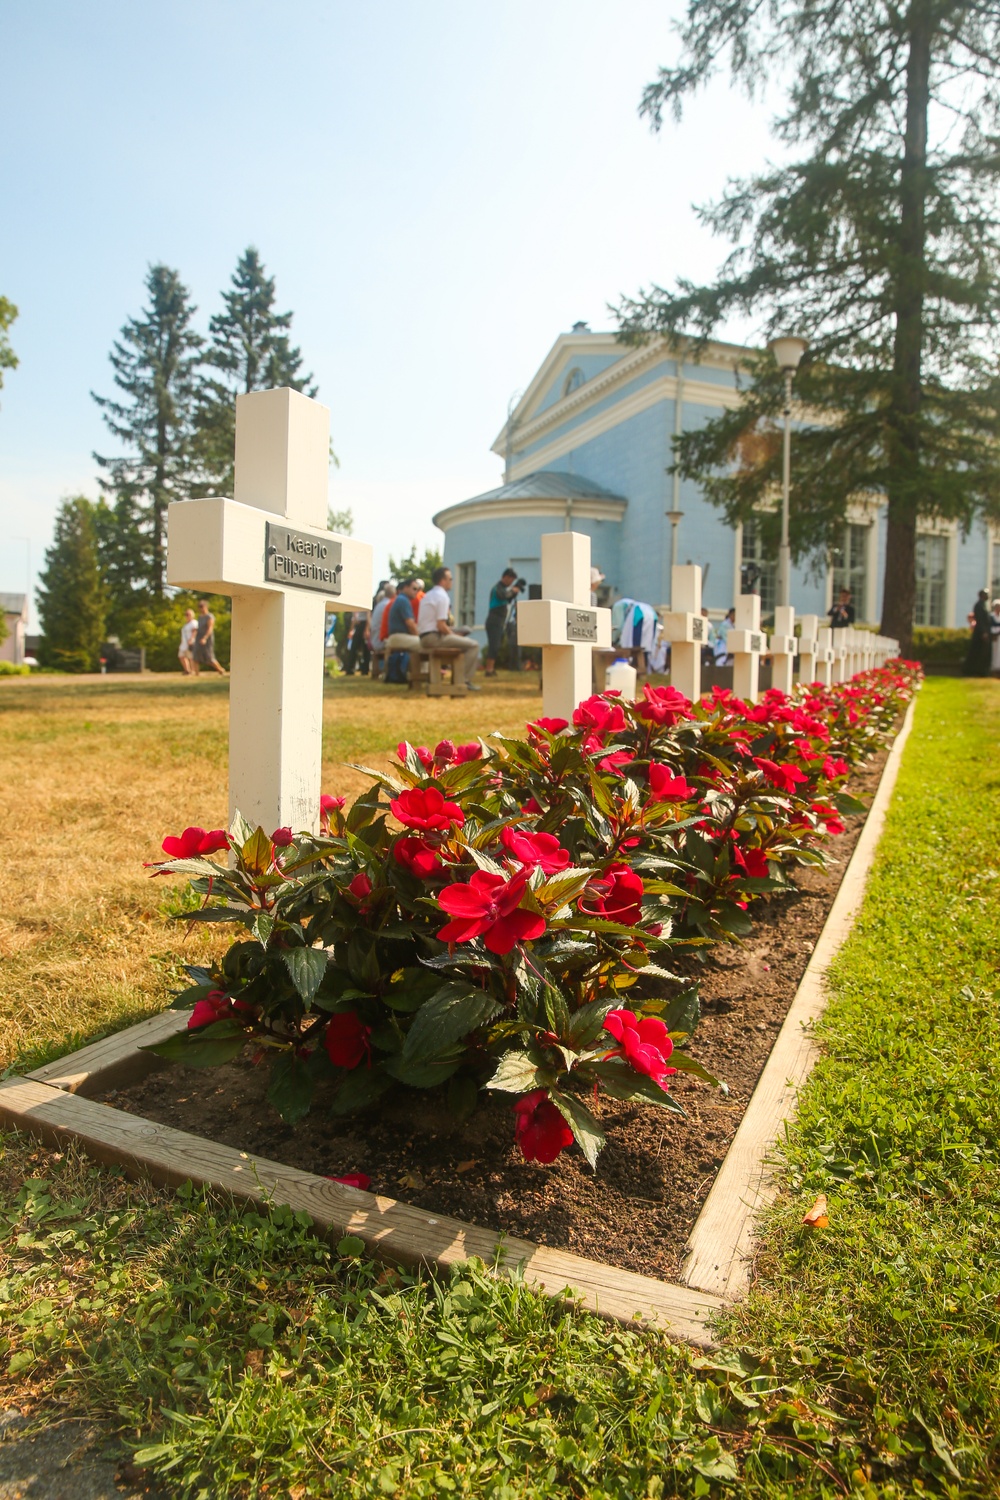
(787, 352)
(675, 517)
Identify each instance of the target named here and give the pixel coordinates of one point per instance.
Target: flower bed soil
(637, 1210)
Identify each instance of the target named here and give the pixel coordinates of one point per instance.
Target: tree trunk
(904, 415)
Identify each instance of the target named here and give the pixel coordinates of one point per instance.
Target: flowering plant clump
(505, 916)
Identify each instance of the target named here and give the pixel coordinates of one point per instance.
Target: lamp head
(788, 350)
(675, 517)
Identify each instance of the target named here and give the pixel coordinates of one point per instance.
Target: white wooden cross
(783, 648)
(270, 550)
(564, 624)
(686, 628)
(745, 643)
(841, 655)
(808, 645)
(826, 655)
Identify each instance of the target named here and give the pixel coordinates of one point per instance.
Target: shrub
(157, 630)
(513, 926)
(8, 669)
(935, 646)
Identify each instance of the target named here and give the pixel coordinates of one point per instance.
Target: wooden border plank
(392, 1231)
(718, 1250)
(114, 1060)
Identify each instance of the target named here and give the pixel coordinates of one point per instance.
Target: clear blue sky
(439, 188)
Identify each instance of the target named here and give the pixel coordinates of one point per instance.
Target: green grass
(241, 1355)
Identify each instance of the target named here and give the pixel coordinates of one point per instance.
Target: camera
(521, 584)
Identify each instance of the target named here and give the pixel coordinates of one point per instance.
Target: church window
(932, 569)
(466, 593)
(573, 380)
(758, 567)
(849, 563)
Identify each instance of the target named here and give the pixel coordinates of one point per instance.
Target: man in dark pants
(842, 613)
(402, 638)
(977, 658)
(501, 594)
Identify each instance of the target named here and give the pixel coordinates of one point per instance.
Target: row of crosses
(270, 551)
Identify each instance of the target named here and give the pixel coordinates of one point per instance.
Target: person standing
(842, 613)
(434, 627)
(502, 593)
(184, 651)
(376, 636)
(358, 653)
(203, 649)
(995, 638)
(978, 656)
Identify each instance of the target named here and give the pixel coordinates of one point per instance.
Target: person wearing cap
(596, 579)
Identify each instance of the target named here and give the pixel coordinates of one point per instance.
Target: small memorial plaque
(756, 643)
(581, 624)
(304, 561)
(698, 628)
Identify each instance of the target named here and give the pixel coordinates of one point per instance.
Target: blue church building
(588, 448)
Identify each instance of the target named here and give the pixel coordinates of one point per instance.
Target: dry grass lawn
(94, 773)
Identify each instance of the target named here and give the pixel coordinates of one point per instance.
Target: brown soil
(653, 1175)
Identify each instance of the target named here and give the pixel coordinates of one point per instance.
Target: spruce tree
(249, 350)
(156, 363)
(72, 600)
(878, 242)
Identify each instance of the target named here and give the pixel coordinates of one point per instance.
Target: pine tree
(72, 600)
(156, 363)
(878, 242)
(251, 351)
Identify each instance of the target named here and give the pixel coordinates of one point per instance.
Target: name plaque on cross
(304, 561)
(581, 625)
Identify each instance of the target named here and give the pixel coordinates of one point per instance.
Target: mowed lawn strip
(243, 1356)
(93, 774)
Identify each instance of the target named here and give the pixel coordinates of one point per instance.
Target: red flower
(282, 837)
(360, 886)
(489, 907)
(829, 817)
(665, 787)
(194, 841)
(832, 768)
(617, 895)
(551, 726)
(612, 764)
(353, 1179)
(444, 753)
(346, 1039)
(420, 858)
(531, 806)
(753, 862)
(536, 849)
(540, 1130)
(426, 808)
(645, 1044)
(663, 705)
(472, 751)
(216, 1006)
(784, 777)
(420, 751)
(598, 714)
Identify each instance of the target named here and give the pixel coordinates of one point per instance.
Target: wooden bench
(425, 667)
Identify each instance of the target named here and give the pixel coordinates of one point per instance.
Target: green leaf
(350, 1247)
(451, 1013)
(184, 999)
(712, 1460)
(462, 1095)
(587, 1023)
(292, 1087)
(516, 1074)
(307, 966)
(389, 782)
(204, 1047)
(684, 1011)
(621, 1081)
(845, 803)
(257, 853)
(735, 921)
(685, 1064)
(589, 1135)
(263, 927)
(191, 867)
(564, 886)
(423, 1075)
(356, 1089)
(557, 1011)
(240, 830)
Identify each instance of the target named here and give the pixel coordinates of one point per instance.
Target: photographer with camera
(502, 595)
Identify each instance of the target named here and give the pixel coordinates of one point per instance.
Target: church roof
(545, 492)
(549, 484)
(13, 604)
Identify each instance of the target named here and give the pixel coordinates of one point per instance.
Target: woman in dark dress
(977, 658)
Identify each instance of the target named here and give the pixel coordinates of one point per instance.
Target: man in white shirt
(434, 629)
